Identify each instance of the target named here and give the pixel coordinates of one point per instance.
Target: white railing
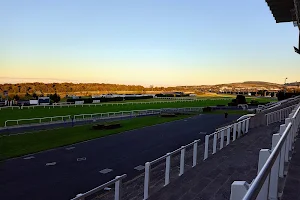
(271, 164)
(108, 104)
(278, 115)
(235, 130)
(117, 114)
(177, 98)
(7, 107)
(244, 126)
(167, 158)
(118, 187)
(135, 112)
(39, 119)
(104, 115)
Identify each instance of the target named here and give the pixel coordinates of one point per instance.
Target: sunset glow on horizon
(160, 43)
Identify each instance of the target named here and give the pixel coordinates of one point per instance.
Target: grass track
(8, 114)
(22, 144)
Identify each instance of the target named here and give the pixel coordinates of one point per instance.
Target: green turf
(18, 145)
(8, 114)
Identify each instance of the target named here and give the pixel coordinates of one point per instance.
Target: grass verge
(22, 144)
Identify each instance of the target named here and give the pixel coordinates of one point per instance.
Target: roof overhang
(285, 10)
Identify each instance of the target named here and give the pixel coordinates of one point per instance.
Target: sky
(145, 42)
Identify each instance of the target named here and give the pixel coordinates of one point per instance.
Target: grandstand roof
(281, 10)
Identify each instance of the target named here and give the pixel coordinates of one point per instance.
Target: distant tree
(34, 95)
(241, 99)
(16, 97)
(55, 97)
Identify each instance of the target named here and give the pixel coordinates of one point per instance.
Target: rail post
(195, 153)
(228, 135)
(247, 125)
(182, 160)
(206, 147)
(273, 188)
(146, 181)
(222, 140)
(234, 132)
(215, 143)
(118, 185)
(263, 157)
(167, 172)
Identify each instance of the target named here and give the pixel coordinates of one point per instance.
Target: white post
(195, 153)
(215, 143)
(247, 125)
(222, 140)
(228, 136)
(273, 189)
(167, 172)
(146, 181)
(234, 132)
(117, 189)
(239, 129)
(263, 156)
(238, 190)
(182, 160)
(206, 147)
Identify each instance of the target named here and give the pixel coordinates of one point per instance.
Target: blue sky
(158, 42)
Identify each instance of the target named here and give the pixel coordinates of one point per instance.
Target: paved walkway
(212, 179)
(292, 186)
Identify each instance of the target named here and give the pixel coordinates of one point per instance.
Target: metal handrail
(258, 182)
(101, 187)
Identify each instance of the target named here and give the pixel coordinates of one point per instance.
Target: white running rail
(102, 115)
(108, 104)
(39, 119)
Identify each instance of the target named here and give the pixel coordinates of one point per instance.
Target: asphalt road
(36, 176)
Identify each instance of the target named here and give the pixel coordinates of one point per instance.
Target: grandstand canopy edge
(282, 10)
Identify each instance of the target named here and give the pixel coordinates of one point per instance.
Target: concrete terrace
(212, 179)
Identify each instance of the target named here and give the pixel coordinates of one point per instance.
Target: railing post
(167, 172)
(228, 136)
(118, 185)
(182, 160)
(267, 119)
(222, 140)
(247, 125)
(146, 181)
(215, 143)
(273, 189)
(206, 147)
(239, 129)
(263, 156)
(282, 153)
(234, 132)
(195, 153)
(238, 190)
